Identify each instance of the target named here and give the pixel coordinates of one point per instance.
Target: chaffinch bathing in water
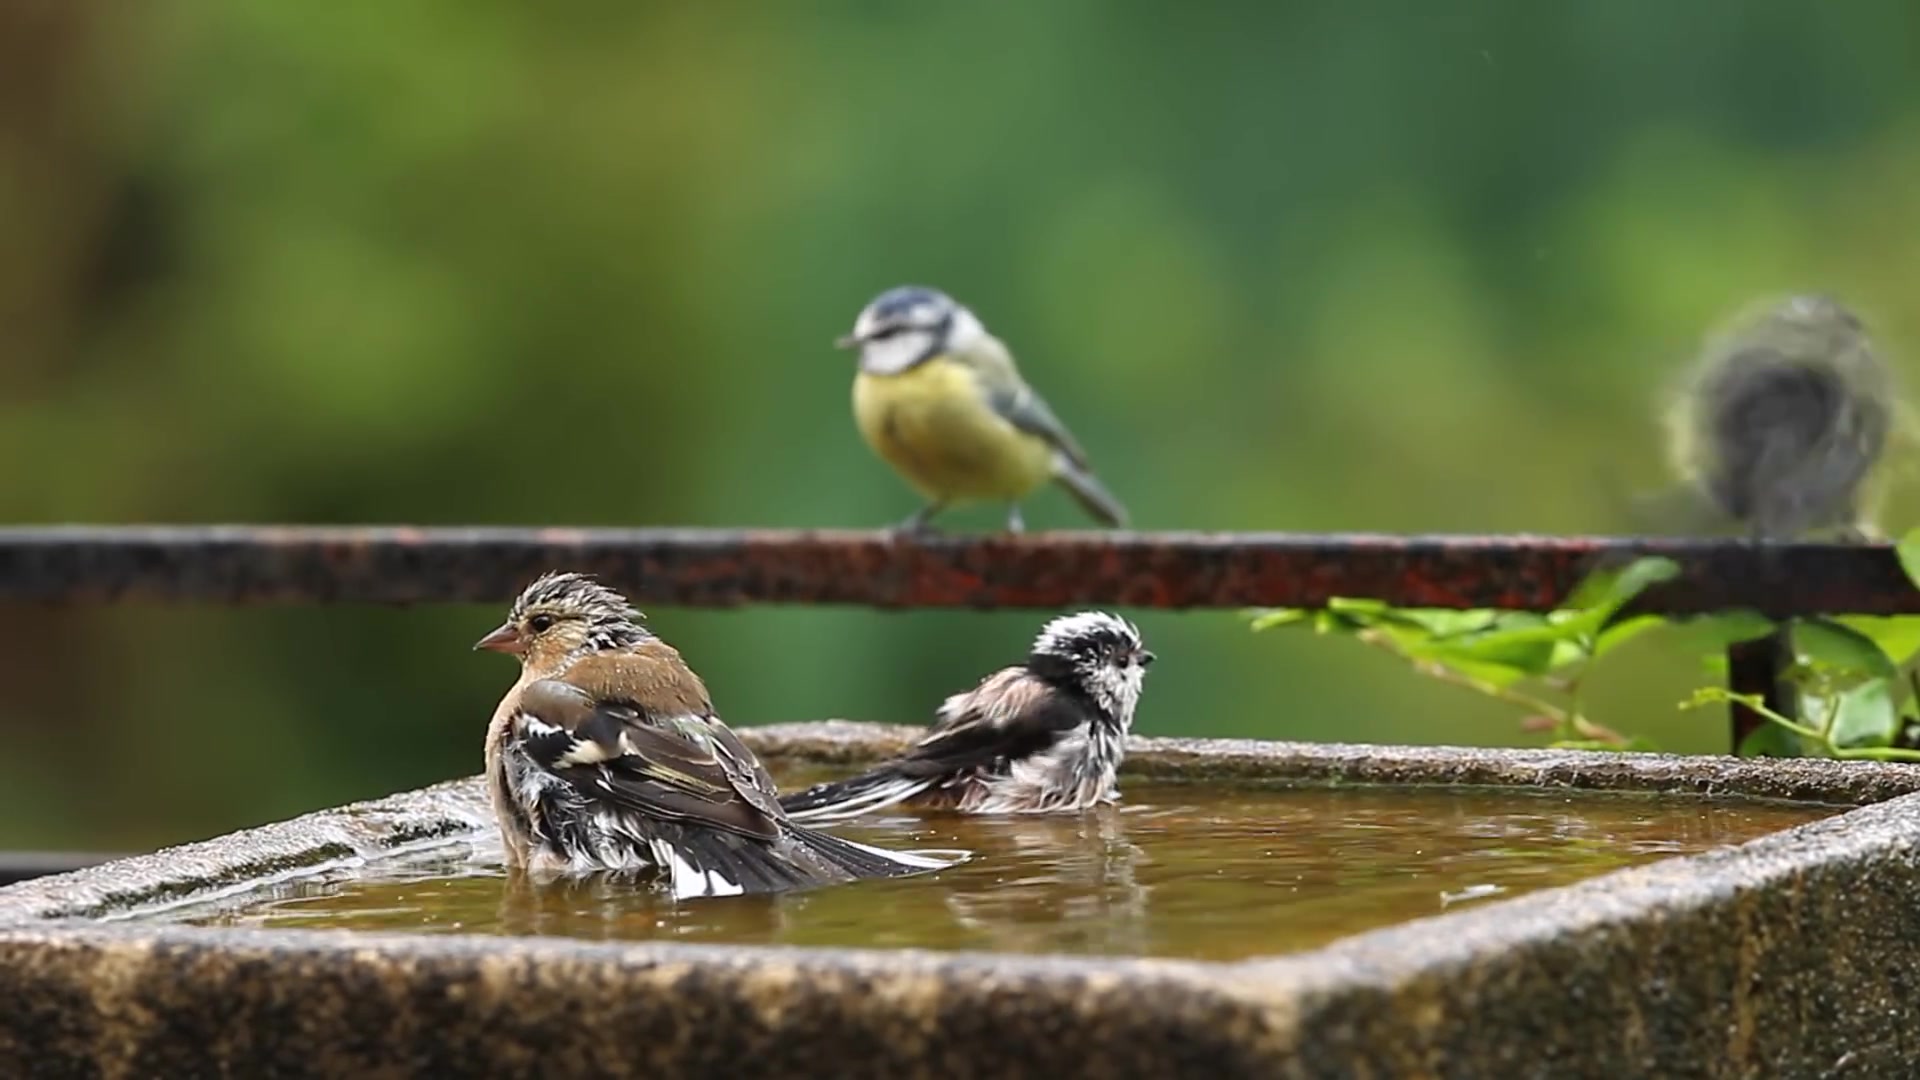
(607, 755)
(1040, 737)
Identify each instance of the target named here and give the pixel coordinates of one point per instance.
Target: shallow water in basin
(1197, 872)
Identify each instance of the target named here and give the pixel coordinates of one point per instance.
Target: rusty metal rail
(241, 564)
(718, 568)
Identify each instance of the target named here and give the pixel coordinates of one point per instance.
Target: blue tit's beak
(505, 639)
(848, 341)
(1147, 657)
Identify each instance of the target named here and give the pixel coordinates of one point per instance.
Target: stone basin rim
(1398, 998)
(850, 743)
(1402, 950)
(447, 812)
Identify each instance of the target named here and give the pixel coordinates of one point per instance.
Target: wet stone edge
(1794, 954)
(455, 808)
(850, 744)
(206, 868)
(130, 1000)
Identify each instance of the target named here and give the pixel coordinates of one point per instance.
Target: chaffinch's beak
(505, 639)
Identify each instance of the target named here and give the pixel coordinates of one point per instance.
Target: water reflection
(1083, 894)
(1178, 871)
(604, 908)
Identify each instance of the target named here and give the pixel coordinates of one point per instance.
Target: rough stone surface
(239, 860)
(123, 1001)
(1847, 783)
(1797, 954)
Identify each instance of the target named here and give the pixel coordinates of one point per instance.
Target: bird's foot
(920, 524)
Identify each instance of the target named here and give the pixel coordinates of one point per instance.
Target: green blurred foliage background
(1309, 266)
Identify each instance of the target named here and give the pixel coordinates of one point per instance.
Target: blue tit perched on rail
(939, 398)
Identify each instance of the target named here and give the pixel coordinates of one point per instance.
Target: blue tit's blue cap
(899, 301)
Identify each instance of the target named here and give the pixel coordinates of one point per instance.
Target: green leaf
(1529, 643)
(1358, 606)
(1642, 572)
(1897, 635)
(1446, 623)
(1826, 643)
(1612, 590)
(1599, 587)
(1704, 696)
(1425, 622)
(1269, 618)
(1406, 638)
(1908, 551)
(1622, 632)
(1867, 716)
(1771, 740)
(1341, 622)
(1348, 614)
(1529, 648)
(1709, 635)
(1493, 674)
(1569, 654)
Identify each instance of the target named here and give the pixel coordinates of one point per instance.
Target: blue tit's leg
(922, 519)
(1015, 524)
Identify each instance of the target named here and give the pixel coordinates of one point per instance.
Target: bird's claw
(920, 524)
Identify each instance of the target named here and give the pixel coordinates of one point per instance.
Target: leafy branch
(1822, 735)
(1854, 674)
(1497, 653)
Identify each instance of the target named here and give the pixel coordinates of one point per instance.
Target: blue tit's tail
(1092, 496)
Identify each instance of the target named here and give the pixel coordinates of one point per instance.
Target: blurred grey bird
(1782, 422)
(940, 399)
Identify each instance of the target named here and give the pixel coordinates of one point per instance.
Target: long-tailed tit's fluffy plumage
(607, 755)
(1045, 736)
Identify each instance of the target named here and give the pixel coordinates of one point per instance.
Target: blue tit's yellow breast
(933, 423)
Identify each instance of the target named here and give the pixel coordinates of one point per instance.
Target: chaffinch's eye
(540, 624)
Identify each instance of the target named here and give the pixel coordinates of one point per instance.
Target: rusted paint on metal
(720, 568)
